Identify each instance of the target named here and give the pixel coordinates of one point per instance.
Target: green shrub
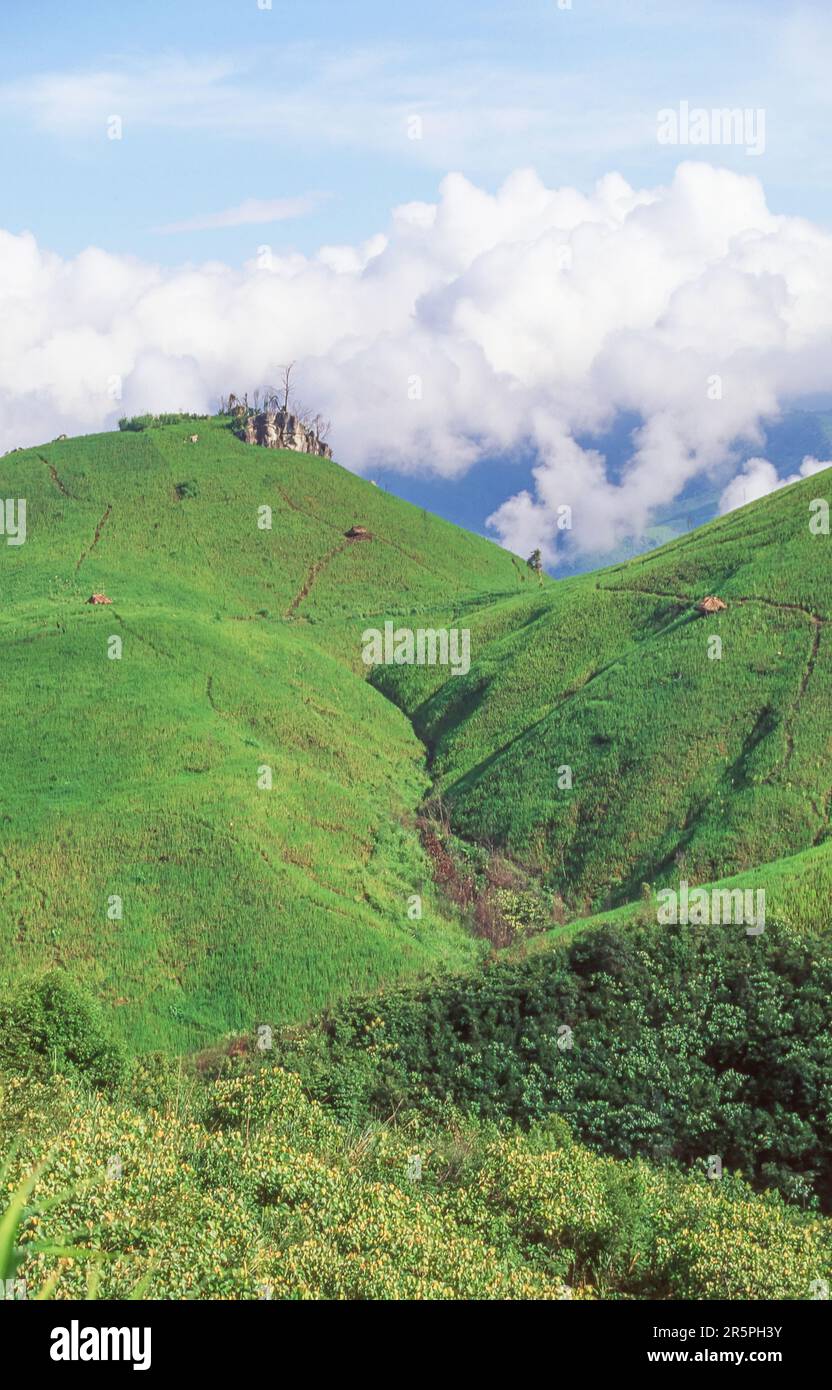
(654, 1042)
(137, 423)
(54, 1025)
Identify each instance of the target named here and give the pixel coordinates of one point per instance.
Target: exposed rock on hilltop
(279, 429)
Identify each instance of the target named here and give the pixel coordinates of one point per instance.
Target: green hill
(685, 760)
(217, 827)
(138, 777)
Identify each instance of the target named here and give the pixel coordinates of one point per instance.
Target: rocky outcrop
(279, 429)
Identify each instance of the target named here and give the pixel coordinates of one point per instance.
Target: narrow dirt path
(313, 574)
(824, 817)
(378, 540)
(53, 473)
(688, 601)
(96, 538)
(143, 638)
(807, 675)
(209, 691)
(304, 511)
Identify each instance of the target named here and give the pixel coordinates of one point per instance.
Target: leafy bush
(523, 910)
(242, 1188)
(137, 423)
(54, 1025)
(666, 1043)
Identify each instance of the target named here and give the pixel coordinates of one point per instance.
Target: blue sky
(291, 128)
(223, 101)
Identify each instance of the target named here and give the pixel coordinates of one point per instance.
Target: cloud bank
(759, 477)
(518, 322)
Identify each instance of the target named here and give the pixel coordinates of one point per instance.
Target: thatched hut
(99, 598)
(358, 533)
(711, 604)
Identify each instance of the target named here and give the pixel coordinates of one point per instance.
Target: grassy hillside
(139, 777)
(243, 794)
(682, 763)
(798, 891)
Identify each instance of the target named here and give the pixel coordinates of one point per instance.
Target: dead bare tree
(286, 384)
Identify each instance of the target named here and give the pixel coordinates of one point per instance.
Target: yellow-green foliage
(247, 1190)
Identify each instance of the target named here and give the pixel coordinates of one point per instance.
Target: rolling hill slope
(685, 759)
(138, 777)
(142, 779)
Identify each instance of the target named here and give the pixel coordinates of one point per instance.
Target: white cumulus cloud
(520, 322)
(759, 477)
